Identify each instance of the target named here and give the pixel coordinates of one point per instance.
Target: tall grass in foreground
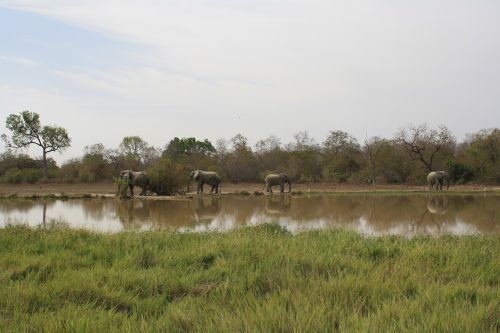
(258, 279)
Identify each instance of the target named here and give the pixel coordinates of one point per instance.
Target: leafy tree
(304, 158)
(187, 146)
(342, 155)
(481, 152)
(241, 165)
(94, 166)
(394, 165)
(137, 152)
(95, 149)
(240, 143)
(339, 142)
(271, 156)
(133, 146)
(26, 130)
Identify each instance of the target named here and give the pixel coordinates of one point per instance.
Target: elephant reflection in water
(207, 209)
(438, 204)
(133, 213)
(437, 207)
(278, 205)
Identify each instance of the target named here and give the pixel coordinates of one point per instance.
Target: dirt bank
(109, 189)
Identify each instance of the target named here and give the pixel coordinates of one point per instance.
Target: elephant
(135, 178)
(437, 178)
(211, 178)
(278, 179)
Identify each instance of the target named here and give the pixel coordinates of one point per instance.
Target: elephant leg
(198, 187)
(131, 190)
(282, 188)
(212, 189)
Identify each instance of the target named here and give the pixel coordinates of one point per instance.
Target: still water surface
(375, 215)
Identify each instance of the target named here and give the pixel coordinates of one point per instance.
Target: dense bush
(31, 175)
(166, 177)
(13, 176)
(16, 175)
(340, 158)
(460, 173)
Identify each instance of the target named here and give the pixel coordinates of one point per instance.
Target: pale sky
(215, 68)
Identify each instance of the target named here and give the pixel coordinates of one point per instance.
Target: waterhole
(376, 215)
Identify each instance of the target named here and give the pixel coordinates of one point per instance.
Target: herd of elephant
(435, 179)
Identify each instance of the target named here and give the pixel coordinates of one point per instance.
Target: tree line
(405, 158)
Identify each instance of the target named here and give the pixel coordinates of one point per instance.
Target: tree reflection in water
(368, 214)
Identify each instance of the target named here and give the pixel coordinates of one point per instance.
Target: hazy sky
(215, 68)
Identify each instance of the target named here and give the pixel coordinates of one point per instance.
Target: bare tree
(303, 142)
(269, 144)
(423, 144)
(115, 158)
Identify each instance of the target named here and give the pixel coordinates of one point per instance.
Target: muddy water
(378, 214)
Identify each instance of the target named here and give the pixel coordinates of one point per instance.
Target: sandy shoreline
(109, 189)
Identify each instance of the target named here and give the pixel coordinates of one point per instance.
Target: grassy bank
(250, 280)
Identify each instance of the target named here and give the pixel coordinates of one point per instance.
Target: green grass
(258, 279)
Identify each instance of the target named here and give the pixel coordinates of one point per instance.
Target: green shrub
(16, 175)
(122, 185)
(13, 176)
(166, 177)
(31, 175)
(86, 176)
(459, 172)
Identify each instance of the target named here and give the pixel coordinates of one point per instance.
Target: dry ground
(110, 188)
